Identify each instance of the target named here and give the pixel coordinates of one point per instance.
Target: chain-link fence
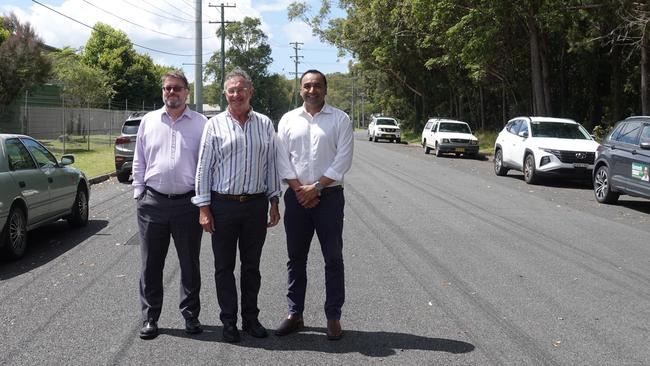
(64, 128)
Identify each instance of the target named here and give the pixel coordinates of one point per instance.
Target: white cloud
(299, 32)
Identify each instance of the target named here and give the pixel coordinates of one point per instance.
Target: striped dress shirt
(236, 159)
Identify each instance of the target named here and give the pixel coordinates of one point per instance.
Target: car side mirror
(523, 134)
(645, 145)
(67, 160)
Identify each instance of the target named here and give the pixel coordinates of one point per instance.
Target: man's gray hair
(238, 72)
(176, 74)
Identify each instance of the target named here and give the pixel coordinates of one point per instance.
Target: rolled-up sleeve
(345, 148)
(272, 175)
(205, 167)
(139, 162)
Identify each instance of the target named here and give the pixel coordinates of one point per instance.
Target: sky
(168, 26)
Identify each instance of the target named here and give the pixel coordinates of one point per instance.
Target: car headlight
(445, 141)
(473, 142)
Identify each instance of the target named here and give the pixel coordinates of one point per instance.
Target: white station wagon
(448, 136)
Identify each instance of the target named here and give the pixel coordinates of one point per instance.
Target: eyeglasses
(175, 88)
(233, 91)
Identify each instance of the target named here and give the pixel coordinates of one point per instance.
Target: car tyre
(79, 215)
(399, 141)
(499, 169)
(15, 234)
(602, 188)
(374, 138)
(529, 169)
(427, 149)
(438, 153)
(123, 176)
(369, 137)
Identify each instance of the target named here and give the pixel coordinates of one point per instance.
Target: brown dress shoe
(334, 331)
(289, 325)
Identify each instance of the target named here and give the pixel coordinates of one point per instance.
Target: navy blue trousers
(243, 225)
(326, 219)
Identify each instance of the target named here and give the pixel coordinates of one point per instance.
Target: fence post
(63, 121)
(110, 124)
(88, 129)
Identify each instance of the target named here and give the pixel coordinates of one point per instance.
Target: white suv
(448, 136)
(384, 128)
(544, 145)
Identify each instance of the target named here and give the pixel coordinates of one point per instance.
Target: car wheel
(499, 169)
(602, 189)
(79, 215)
(374, 138)
(15, 234)
(529, 169)
(438, 153)
(427, 149)
(399, 141)
(123, 176)
(369, 137)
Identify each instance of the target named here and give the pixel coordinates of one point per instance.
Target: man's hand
(206, 220)
(274, 215)
(307, 196)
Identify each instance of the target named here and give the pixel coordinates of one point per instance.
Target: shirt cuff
(137, 191)
(201, 200)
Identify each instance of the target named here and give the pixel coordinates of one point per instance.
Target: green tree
(134, 77)
(22, 63)
(250, 51)
(81, 84)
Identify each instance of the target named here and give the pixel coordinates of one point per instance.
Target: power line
(136, 24)
(173, 6)
(178, 19)
(95, 29)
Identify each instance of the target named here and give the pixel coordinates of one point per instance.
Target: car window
(18, 156)
(131, 127)
(43, 157)
(386, 121)
(513, 126)
(627, 133)
(559, 130)
(523, 128)
(454, 127)
(645, 134)
(428, 126)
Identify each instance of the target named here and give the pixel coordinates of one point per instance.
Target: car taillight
(122, 140)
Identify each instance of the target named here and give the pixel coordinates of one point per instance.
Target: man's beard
(173, 103)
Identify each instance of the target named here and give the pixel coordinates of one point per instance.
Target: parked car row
(385, 128)
(36, 190)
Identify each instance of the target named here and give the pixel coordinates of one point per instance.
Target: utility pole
(363, 112)
(354, 78)
(198, 47)
(296, 47)
(223, 44)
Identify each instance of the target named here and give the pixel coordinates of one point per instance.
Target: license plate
(580, 165)
(459, 149)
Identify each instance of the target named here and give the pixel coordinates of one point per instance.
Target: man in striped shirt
(236, 178)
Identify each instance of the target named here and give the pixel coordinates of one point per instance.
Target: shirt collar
(186, 113)
(327, 109)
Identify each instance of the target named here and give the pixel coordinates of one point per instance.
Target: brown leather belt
(237, 197)
(170, 196)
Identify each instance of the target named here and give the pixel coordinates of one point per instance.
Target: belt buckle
(170, 196)
(243, 198)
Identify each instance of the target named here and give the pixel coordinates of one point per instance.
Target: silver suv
(125, 146)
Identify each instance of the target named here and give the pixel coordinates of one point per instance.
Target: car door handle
(22, 184)
(50, 180)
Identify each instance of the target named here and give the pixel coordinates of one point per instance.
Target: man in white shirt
(315, 145)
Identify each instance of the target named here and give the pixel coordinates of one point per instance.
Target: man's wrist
(319, 187)
(274, 199)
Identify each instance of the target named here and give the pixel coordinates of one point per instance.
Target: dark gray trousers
(160, 218)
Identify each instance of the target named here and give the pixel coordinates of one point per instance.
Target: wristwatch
(274, 199)
(319, 187)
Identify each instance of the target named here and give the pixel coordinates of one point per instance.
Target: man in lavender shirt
(164, 167)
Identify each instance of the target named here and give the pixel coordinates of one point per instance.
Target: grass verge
(97, 161)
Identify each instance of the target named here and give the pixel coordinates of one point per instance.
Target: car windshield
(560, 130)
(131, 127)
(385, 121)
(454, 127)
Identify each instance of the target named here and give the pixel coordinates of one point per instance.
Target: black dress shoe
(334, 331)
(255, 329)
(193, 326)
(290, 325)
(149, 329)
(231, 334)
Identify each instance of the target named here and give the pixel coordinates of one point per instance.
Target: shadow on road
(372, 344)
(47, 243)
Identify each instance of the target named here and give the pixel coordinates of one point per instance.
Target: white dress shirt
(236, 159)
(313, 146)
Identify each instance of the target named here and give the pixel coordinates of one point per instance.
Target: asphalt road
(446, 264)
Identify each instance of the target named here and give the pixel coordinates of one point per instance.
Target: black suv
(125, 146)
(623, 160)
